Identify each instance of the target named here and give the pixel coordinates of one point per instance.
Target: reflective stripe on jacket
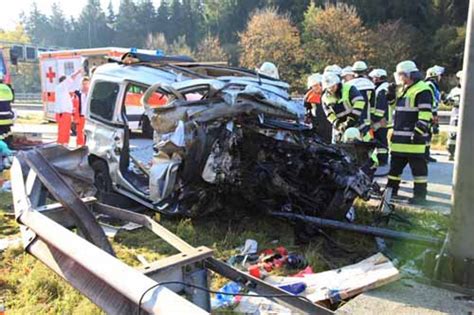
(348, 105)
(6, 98)
(380, 110)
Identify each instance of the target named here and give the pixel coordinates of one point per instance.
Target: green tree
(193, 21)
(334, 34)
(176, 18)
(111, 17)
(270, 36)
(294, 8)
(448, 47)
(226, 18)
(458, 11)
(37, 25)
(91, 28)
(127, 26)
(60, 29)
(393, 42)
(163, 14)
(418, 13)
(372, 12)
(145, 16)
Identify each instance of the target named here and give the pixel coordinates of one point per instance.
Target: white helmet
(336, 69)
(314, 79)
(330, 79)
(351, 134)
(459, 74)
(407, 66)
(347, 71)
(434, 71)
(359, 66)
(378, 73)
(269, 69)
(333, 69)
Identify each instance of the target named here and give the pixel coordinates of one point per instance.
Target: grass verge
(28, 287)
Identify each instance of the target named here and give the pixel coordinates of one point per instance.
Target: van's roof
(170, 73)
(135, 73)
(177, 77)
(100, 51)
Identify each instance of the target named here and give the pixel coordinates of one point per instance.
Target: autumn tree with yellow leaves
(392, 42)
(270, 36)
(334, 34)
(210, 49)
(25, 76)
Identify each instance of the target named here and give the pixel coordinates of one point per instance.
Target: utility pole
(456, 262)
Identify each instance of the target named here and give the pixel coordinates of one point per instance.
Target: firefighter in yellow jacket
(343, 105)
(6, 114)
(412, 122)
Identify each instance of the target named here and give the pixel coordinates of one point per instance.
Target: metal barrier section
(86, 260)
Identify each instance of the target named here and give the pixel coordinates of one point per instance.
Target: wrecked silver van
(225, 138)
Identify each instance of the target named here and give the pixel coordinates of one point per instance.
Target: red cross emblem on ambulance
(50, 75)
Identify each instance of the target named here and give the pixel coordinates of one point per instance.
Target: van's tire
(147, 129)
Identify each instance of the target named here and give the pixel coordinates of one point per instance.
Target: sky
(10, 14)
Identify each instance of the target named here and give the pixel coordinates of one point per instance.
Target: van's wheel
(147, 129)
(102, 180)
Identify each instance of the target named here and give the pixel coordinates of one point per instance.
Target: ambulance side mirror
(85, 66)
(14, 56)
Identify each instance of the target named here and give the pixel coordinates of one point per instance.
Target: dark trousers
(382, 148)
(428, 145)
(419, 169)
(322, 125)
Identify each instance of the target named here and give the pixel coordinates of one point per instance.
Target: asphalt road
(440, 176)
(28, 106)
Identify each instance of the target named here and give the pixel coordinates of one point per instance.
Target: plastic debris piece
(306, 271)
(223, 300)
(250, 247)
(294, 288)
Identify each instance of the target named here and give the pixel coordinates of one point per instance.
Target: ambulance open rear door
(52, 69)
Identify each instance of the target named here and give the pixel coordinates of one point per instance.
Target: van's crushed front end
(237, 143)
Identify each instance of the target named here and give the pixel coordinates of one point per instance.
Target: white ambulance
(54, 64)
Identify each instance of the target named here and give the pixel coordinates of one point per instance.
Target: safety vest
(407, 114)
(6, 97)
(374, 111)
(342, 106)
(436, 94)
(367, 90)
